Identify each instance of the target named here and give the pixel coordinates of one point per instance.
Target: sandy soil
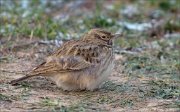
(120, 93)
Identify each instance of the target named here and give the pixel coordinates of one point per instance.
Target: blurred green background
(51, 19)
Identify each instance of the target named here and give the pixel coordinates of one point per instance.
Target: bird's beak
(115, 36)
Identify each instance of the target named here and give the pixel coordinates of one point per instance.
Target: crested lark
(79, 64)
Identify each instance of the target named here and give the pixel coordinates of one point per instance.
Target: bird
(82, 64)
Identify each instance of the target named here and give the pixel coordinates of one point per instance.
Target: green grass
(162, 89)
(5, 97)
(9, 98)
(105, 99)
(126, 102)
(49, 102)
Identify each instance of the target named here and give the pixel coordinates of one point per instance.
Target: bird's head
(101, 37)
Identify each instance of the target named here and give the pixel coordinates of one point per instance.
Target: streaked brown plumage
(79, 64)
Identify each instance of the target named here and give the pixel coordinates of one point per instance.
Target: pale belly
(83, 80)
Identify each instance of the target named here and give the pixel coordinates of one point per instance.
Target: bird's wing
(76, 57)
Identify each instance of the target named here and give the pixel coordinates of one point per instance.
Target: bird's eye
(103, 37)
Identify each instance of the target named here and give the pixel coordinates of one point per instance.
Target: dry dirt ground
(119, 94)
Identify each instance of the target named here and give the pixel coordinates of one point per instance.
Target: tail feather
(41, 69)
(14, 82)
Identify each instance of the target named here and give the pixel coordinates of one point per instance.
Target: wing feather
(79, 56)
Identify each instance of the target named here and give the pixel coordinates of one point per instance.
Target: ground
(123, 91)
(146, 76)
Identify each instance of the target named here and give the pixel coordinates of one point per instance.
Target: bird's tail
(41, 69)
(14, 82)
